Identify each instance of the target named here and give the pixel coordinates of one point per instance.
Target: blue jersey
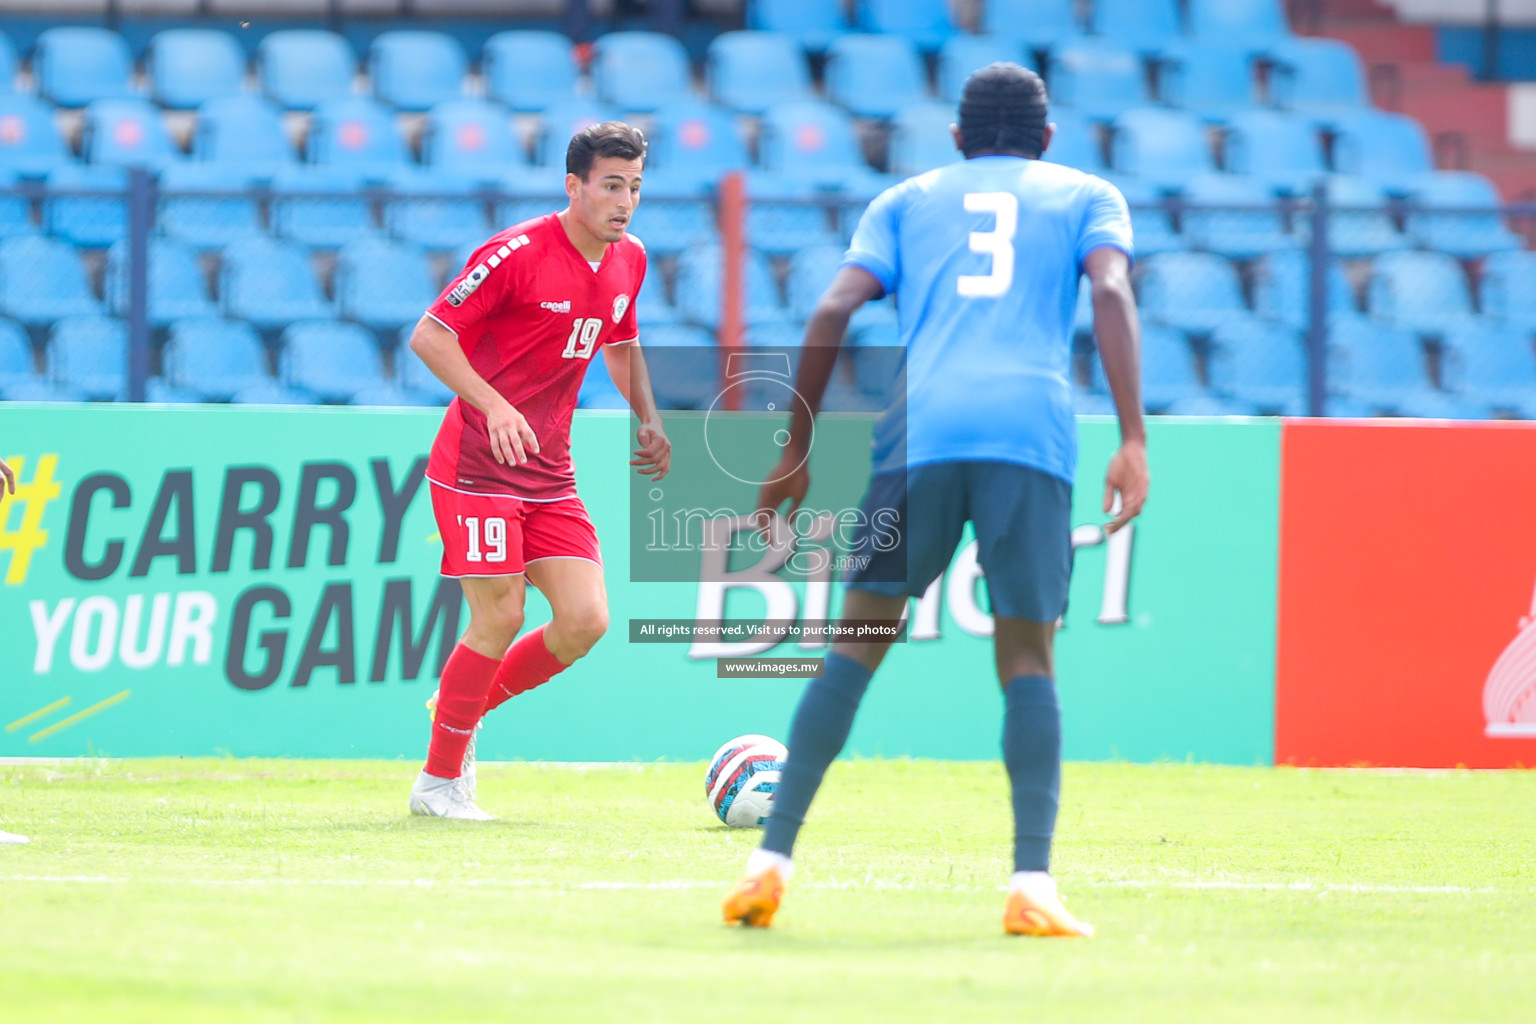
(984, 258)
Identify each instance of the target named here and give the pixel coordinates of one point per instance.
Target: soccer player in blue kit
(984, 258)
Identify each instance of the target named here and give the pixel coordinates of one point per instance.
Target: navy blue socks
(1032, 752)
(820, 729)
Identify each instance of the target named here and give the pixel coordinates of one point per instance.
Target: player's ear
(954, 131)
(1045, 139)
(572, 187)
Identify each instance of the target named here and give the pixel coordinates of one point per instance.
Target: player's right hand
(1128, 478)
(9, 487)
(789, 480)
(512, 439)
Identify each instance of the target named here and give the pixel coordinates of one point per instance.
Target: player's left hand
(1129, 477)
(654, 456)
(9, 487)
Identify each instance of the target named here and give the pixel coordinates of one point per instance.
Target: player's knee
(497, 626)
(585, 627)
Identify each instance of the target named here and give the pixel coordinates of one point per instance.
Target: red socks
(528, 664)
(460, 702)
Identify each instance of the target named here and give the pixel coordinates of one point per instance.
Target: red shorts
(493, 535)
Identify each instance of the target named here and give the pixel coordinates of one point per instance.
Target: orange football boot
(755, 900)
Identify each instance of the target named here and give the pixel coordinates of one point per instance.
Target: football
(742, 778)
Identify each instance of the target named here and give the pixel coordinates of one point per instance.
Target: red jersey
(530, 313)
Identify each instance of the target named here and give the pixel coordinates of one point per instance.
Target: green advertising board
(203, 580)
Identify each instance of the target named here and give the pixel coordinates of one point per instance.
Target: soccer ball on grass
(742, 778)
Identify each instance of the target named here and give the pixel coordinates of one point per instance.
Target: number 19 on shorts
(487, 538)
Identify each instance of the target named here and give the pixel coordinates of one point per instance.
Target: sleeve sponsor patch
(476, 277)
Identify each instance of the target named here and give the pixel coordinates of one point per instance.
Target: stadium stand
(73, 214)
(270, 284)
(1035, 23)
(214, 358)
(301, 68)
(1448, 220)
(1144, 25)
(30, 143)
(15, 210)
(814, 23)
(1419, 291)
(1211, 80)
(750, 71)
(640, 71)
(415, 71)
(187, 67)
(1254, 23)
(1165, 147)
(77, 65)
(330, 360)
(89, 354)
(1262, 365)
(874, 76)
(178, 288)
(1253, 226)
(356, 134)
(926, 23)
(320, 207)
(528, 70)
(383, 285)
(1491, 367)
(1284, 150)
(1508, 289)
(126, 133)
(244, 132)
(961, 54)
(471, 139)
(1097, 79)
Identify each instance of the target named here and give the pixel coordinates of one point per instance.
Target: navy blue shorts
(1023, 521)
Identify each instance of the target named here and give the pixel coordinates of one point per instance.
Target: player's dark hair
(1002, 110)
(611, 138)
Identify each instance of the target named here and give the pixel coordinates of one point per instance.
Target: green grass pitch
(277, 891)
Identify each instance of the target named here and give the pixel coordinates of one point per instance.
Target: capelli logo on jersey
(1509, 696)
(557, 307)
(620, 305)
(476, 277)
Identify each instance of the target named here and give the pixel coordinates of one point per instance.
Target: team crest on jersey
(620, 305)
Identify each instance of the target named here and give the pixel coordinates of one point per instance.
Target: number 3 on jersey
(583, 337)
(997, 243)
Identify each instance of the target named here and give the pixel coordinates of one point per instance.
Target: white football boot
(12, 839)
(444, 798)
(467, 774)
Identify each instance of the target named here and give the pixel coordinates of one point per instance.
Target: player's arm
(626, 366)
(824, 331)
(511, 436)
(1118, 333)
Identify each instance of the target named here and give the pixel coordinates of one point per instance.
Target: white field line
(681, 884)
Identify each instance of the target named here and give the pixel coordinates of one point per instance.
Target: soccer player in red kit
(512, 335)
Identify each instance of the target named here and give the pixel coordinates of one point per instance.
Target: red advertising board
(1407, 632)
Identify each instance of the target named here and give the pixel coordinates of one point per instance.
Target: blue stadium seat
(1318, 77)
(304, 211)
(8, 64)
(177, 286)
(1385, 367)
(1252, 22)
(330, 360)
(962, 54)
(1145, 25)
(89, 354)
(564, 119)
(598, 390)
(784, 215)
(214, 358)
(1193, 291)
(528, 70)
(92, 221)
(383, 286)
(126, 133)
(1492, 366)
(1032, 22)
(414, 70)
(1282, 149)
(301, 68)
(271, 392)
(1447, 219)
(207, 220)
(921, 139)
(1282, 290)
(356, 135)
(1419, 291)
(640, 70)
(695, 142)
(187, 67)
(541, 191)
(1166, 147)
(1076, 143)
(925, 22)
(1167, 369)
(435, 211)
(15, 210)
(751, 71)
(1234, 233)
(698, 288)
(1508, 289)
(811, 270)
(653, 308)
(811, 141)
(270, 283)
(41, 389)
(1096, 79)
(471, 139)
(414, 376)
(244, 132)
(16, 363)
(1359, 225)
(673, 216)
(1390, 148)
(1211, 80)
(76, 65)
(30, 143)
(1151, 222)
(814, 23)
(874, 76)
(1262, 364)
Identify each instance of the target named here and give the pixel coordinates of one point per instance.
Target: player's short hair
(611, 138)
(1002, 109)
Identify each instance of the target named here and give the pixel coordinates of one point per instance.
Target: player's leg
(1023, 532)
(565, 563)
(928, 517)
